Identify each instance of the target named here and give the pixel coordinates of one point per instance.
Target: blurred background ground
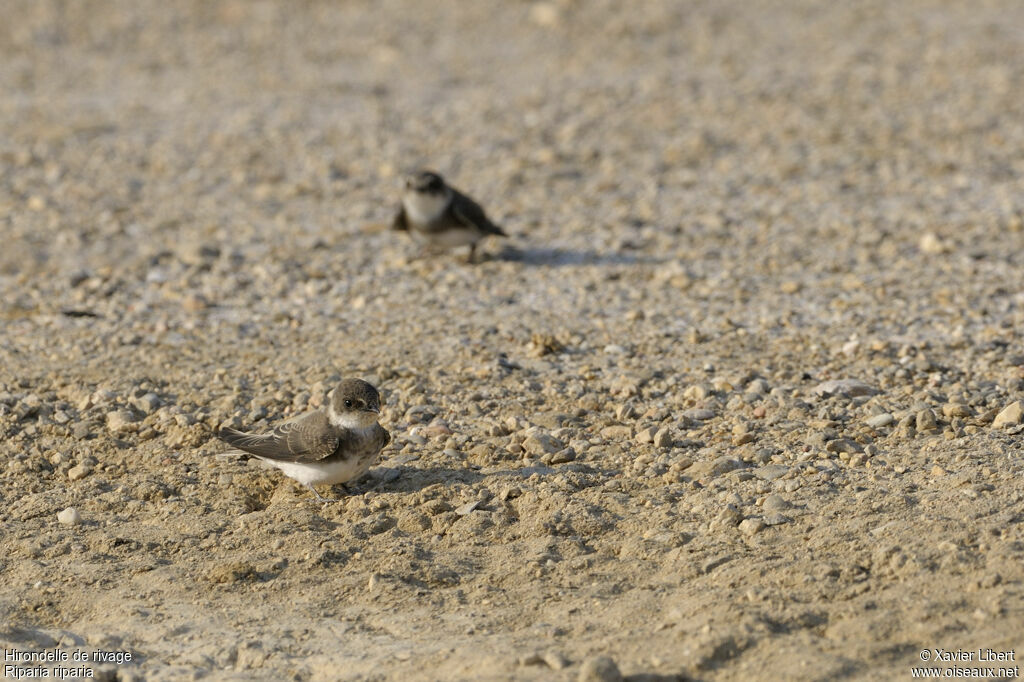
(616, 436)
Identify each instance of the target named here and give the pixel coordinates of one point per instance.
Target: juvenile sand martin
(442, 216)
(323, 447)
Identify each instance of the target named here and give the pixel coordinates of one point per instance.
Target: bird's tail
(243, 441)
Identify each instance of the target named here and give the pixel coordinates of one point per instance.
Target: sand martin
(323, 447)
(442, 216)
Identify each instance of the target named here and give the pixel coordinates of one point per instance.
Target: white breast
(425, 208)
(450, 238)
(324, 473)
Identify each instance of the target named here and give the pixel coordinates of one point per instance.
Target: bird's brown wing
(400, 222)
(470, 214)
(307, 438)
(383, 437)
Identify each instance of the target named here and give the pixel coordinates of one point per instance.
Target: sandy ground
(738, 399)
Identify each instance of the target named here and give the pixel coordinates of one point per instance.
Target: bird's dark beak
(375, 410)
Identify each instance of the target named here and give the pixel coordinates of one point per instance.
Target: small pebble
(956, 410)
(79, 471)
(556, 660)
(849, 387)
(599, 669)
(751, 526)
(146, 403)
(531, 659)
(541, 444)
(563, 456)
(83, 430)
(545, 14)
(510, 493)
(879, 420)
(926, 420)
(119, 420)
(436, 429)
(468, 508)
(771, 472)
(843, 445)
(930, 243)
(776, 519)
(646, 435)
(1010, 415)
(775, 502)
(758, 387)
(625, 411)
(69, 517)
(616, 432)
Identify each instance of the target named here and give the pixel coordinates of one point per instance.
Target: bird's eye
(348, 403)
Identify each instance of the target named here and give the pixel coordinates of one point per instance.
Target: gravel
(760, 254)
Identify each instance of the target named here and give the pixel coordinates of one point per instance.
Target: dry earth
(737, 400)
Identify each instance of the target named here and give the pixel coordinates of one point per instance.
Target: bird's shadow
(555, 257)
(407, 479)
(399, 477)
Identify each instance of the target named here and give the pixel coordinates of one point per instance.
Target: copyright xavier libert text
(957, 663)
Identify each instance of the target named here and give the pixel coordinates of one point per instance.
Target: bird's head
(355, 404)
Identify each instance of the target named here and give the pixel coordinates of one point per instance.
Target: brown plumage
(442, 216)
(323, 447)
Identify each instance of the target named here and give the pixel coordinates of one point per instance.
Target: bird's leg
(471, 258)
(427, 251)
(319, 499)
